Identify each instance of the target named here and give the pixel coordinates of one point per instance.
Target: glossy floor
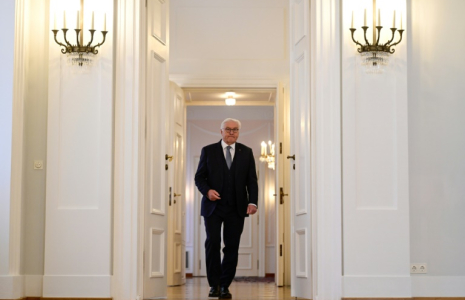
(197, 288)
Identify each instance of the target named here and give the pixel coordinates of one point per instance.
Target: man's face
(230, 132)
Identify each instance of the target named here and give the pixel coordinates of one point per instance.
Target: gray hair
(228, 120)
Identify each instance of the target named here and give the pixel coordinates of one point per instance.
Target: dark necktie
(228, 157)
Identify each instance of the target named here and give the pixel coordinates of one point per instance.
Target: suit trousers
(221, 273)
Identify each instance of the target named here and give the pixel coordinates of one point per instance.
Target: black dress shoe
(214, 291)
(224, 293)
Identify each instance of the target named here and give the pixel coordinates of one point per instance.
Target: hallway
(197, 288)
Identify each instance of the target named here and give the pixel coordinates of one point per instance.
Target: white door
(156, 202)
(176, 190)
(301, 181)
(282, 188)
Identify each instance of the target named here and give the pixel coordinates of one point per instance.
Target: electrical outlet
(418, 268)
(422, 269)
(38, 164)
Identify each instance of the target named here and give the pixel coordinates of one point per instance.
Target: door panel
(176, 220)
(301, 181)
(155, 202)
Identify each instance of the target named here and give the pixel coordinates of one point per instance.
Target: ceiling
(244, 96)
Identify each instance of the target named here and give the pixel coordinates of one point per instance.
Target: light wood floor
(197, 288)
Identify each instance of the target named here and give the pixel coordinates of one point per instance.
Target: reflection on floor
(197, 288)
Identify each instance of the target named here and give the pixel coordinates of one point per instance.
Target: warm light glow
(230, 101)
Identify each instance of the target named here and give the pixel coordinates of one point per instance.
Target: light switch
(38, 164)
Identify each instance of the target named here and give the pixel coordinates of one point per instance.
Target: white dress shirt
(232, 150)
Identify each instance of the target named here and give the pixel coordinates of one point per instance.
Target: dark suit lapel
(220, 156)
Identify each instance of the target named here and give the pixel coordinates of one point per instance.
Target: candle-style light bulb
(352, 26)
(401, 21)
(365, 18)
(92, 23)
(105, 22)
(64, 19)
(394, 20)
(379, 17)
(54, 21)
(263, 149)
(77, 20)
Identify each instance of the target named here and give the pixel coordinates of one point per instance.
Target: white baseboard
(77, 286)
(33, 285)
(11, 287)
(376, 286)
(438, 286)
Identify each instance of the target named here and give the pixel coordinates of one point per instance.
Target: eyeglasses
(231, 130)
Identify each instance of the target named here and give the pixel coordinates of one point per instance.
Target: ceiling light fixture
(230, 100)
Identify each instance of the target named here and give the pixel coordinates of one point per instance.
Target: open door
(282, 187)
(156, 202)
(301, 181)
(176, 188)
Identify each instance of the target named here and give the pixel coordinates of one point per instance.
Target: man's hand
(251, 209)
(213, 195)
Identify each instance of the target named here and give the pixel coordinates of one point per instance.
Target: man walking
(227, 179)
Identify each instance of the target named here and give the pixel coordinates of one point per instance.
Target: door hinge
(258, 264)
(169, 198)
(281, 250)
(280, 148)
(200, 264)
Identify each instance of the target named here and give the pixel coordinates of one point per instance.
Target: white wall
(78, 229)
(35, 139)
(437, 146)
(376, 243)
(229, 39)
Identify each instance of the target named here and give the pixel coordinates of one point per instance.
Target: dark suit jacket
(209, 176)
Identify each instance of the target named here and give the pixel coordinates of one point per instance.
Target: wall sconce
(79, 54)
(230, 100)
(268, 158)
(376, 55)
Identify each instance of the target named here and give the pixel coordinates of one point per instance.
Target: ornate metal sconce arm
(365, 34)
(65, 30)
(392, 37)
(95, 51)
(401, 31)
(353, 39)
(92, 31)
(78, 31)
(55, 32)
(379, 34)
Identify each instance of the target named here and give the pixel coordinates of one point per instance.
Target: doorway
(257, 250)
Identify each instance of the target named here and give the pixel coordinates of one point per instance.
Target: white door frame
(128, 202)
(325, 96)
(185, 81)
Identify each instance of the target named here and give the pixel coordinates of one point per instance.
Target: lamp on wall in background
(375, 55)
(79, 54)
(230, 100)
(268, 158)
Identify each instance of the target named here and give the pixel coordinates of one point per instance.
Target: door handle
(289, 157)
(177, 194)
(168, 157)
(281, 195)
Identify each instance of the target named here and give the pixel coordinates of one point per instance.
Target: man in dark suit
(227, 179)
